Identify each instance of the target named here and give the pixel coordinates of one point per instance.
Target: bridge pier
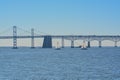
(32, 38)
(115, 43)
(47, 43)
(72, 43)
(14, 37)
(62, 42)
(100, 44)
(89, 44)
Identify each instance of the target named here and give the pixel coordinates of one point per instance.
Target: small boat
(83, 47)
(57, 47)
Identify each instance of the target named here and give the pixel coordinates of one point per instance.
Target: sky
(77, 17)
(61, 17)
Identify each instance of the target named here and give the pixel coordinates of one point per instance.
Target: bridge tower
(47, 43)
(14, 37)
(62, 42)
(89, 44)
(72, 43)
(115, 43)
(100, 44)
(32, 38)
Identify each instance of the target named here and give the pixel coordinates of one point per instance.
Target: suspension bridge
(47, 42)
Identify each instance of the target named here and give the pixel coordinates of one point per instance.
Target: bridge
(47, 43)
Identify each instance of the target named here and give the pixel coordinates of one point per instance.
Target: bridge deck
(60, 36)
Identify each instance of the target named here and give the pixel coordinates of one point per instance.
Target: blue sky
(81, 17)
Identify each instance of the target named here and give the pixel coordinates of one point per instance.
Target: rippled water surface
(64, 64)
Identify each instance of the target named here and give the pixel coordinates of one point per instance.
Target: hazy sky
(62, 16)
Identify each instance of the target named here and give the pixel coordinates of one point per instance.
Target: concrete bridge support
(115, 43)
(47, 43)
(72, 43)
(32, 38)
(100, 44)
(62, 42)
(14, 37)
(89, 44)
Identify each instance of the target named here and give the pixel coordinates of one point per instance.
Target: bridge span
(47, 43)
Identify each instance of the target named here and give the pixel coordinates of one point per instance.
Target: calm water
(65, 64)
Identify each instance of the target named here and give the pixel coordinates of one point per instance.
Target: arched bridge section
(47, 43)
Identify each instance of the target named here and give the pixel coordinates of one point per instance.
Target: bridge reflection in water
(47, 43)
